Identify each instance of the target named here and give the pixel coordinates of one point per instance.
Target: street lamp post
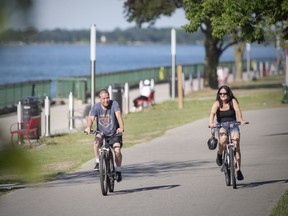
(93, 61)
(248, 49)
(173, 53)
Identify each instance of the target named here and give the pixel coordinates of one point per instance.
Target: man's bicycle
(229, 164)
(106, 166)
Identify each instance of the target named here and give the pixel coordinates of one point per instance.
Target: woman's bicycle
(106, 166)
(229, 164)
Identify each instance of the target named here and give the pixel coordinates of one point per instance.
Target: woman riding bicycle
(226, 108)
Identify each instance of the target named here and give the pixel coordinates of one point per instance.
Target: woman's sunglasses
(222, 93)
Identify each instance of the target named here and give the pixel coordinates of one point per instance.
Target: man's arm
(90, 121)
(120, 122)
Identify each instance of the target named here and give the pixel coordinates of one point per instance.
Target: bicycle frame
(106, 165)
(229, 162)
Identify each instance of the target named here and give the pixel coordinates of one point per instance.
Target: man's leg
(97, 143)
(118, 160)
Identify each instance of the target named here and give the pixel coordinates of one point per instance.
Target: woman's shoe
(240, 177)
(219, 159)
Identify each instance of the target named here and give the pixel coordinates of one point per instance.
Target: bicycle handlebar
(219, 125)
(91, 132)
(101, 133)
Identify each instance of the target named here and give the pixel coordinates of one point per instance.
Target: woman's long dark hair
(230, 95)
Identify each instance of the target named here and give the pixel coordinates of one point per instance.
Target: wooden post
(180, 84)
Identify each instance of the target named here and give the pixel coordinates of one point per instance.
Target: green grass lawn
(281, 209)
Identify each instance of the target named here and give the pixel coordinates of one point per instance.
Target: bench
(149, 102)
(31, 128)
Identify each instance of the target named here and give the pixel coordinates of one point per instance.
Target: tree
(200, 14)
(9, 7)
(241, 20)
(148, 11)
(252, 19)
(248, 21)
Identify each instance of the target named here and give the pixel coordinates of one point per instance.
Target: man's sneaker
(118, 176)
(240, 177)
(96, 168)
(219, 159)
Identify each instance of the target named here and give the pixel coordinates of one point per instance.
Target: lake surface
(42, 62)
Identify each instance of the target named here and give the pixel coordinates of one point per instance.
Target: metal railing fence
(80, 86)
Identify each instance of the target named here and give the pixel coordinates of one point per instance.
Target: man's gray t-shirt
(106, 120)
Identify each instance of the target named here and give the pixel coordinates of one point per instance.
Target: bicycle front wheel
(226, 170)
(103, 174)
(111, 173)
(232, 168)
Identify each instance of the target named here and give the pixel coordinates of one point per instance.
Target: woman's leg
(222, 139)
(235, 136)
(236, 140)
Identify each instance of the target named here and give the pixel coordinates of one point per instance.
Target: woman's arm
(214, 109)
(238, 111)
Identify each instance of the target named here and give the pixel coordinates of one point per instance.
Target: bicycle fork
(225, 162)
(231, 147)
(226, 159)
(109, 172)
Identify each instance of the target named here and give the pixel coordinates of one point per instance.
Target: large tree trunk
(238, 55)
(212, 55)
(211, 62)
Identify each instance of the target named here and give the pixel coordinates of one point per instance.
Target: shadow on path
(143, 189)
(278, 134)
(260, 183)
(133, 171)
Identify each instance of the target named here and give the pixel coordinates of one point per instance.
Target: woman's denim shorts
(231, 126)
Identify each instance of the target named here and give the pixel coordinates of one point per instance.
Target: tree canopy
(249, 20)
(243, 20)
(146, 11)
(8, 7)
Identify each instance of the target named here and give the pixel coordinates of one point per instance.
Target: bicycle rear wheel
(103, 174)
(232, 168)
(111, 173)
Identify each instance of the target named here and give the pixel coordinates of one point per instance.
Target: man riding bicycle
(226, 108)
(109, 122)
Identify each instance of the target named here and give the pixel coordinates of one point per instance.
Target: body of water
(42, 62)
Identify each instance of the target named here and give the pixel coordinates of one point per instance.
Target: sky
(81, 14)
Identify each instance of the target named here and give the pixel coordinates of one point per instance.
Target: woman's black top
(227, 115)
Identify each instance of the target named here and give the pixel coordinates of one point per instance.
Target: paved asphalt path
(175, 174)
